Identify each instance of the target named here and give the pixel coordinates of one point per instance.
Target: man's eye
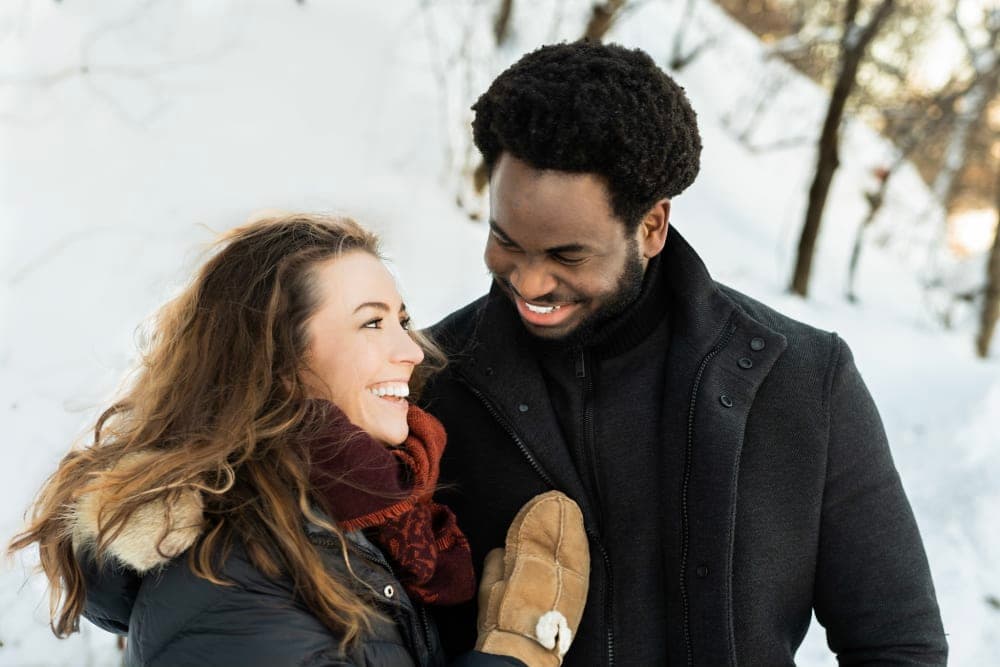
(505, 243)
(373, 324)
(568, 261)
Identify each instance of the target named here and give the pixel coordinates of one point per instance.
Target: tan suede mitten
(532, 593)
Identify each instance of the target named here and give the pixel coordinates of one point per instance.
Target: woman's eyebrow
(377, 305)
(380, 305)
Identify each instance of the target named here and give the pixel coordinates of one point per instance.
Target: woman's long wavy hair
(221, 399)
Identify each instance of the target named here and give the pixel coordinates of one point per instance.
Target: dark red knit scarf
(387, 490)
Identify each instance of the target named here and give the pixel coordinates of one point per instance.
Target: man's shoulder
(457, 330)
(798, 334)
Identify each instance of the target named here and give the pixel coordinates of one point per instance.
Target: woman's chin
(390, 434)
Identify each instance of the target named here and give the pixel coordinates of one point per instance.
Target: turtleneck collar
(619, 334)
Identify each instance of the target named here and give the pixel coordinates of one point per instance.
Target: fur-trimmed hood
(154, 535)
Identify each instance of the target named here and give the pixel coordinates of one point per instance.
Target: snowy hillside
(193, 115)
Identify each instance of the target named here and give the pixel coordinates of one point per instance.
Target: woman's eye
(373, 324)
(405, 323)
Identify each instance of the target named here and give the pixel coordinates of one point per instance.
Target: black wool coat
(777, 490)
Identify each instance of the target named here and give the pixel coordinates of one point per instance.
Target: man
(732, 469)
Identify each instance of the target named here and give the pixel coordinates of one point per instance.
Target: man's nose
(532, 281)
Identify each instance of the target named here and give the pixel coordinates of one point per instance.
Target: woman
(261, 493)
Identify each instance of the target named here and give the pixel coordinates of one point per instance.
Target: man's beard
(628, 290)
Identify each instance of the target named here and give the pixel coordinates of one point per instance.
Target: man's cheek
(494, 261)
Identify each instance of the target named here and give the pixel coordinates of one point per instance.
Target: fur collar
(154, 535)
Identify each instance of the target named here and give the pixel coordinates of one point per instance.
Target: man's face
(557, 250)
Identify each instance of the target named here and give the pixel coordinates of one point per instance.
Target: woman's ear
(652, 231)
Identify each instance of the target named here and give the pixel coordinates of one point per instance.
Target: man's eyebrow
(568, 248)
(555, 250)
(495, 228)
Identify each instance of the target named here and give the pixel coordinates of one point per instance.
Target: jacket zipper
(548, 480)
(379, 559)
(368, 555)
(588, 432)
(589, 448)
(684, 488)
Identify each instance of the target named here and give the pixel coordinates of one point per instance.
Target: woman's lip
(555, 318)
(394, 401)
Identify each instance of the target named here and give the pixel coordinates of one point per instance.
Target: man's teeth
(397, 390)
(541, 310)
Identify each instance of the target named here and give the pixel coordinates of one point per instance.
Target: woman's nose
(406, 349)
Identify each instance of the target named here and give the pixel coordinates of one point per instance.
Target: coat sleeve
(252, 632)
(873, 592)
(253, 621)
(111, 592)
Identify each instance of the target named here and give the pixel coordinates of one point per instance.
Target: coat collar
(712, 341)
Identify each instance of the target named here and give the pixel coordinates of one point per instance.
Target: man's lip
(553, 319)
(539, 304)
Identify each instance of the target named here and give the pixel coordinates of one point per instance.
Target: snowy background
(132, 132)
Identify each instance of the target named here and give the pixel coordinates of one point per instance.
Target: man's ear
(652, 231)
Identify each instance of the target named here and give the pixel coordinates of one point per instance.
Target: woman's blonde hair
(220, 398)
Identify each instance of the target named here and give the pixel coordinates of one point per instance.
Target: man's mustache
(544, 300)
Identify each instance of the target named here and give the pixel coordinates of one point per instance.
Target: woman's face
(360, 354)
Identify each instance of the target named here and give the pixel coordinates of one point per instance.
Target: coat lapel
(718, 359)
(509, 378)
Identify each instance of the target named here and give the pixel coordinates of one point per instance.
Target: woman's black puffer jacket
(173, 618)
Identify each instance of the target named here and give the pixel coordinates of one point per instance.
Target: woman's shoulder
(248, 619)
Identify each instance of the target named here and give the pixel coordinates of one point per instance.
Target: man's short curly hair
(595, 108)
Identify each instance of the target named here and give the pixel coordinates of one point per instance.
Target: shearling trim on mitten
(152, 536)
(533, 591)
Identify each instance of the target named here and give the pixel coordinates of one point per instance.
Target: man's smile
(544, 315)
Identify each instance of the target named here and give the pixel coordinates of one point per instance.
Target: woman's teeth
(541, 310)
(397, 390)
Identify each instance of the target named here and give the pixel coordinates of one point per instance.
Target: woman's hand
(532, 593)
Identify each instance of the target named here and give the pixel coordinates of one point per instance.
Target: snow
(194, 115)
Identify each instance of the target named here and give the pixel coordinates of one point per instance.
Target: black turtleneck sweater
(608, 396)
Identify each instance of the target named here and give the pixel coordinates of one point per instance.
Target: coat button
(702, 571)
(745, 363)
(523, 407)
(726, 401)
(389, 591)
(757, 344)
(489, 370)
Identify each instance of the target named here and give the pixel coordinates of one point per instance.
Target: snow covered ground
(192, 115)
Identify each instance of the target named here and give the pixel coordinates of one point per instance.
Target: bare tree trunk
(875, 200)
(962, 135)
(501, 25)
(853, 46)
(602, 17)
(991, 299)
(678, 59)
(985, 64)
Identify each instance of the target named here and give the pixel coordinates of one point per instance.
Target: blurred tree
(917, 117)
(875, 197)
(854, 42)
(964, 138)
(602, 17)
(679, 56)
(501, 25)
(991, 298)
